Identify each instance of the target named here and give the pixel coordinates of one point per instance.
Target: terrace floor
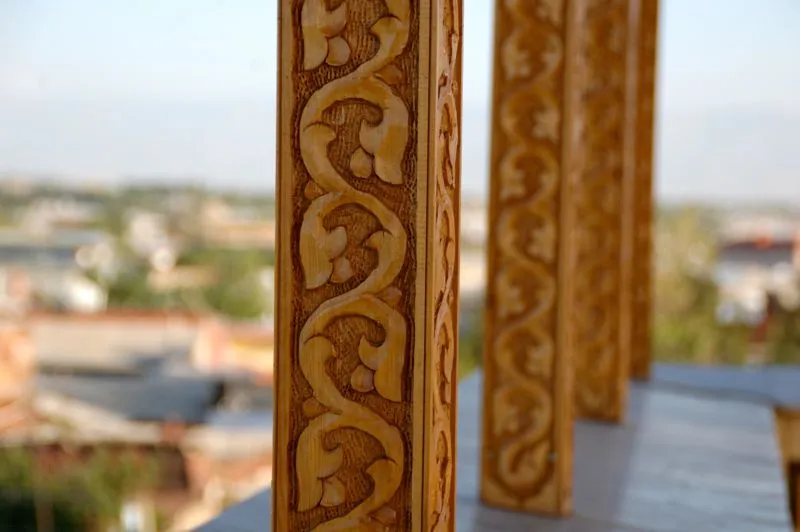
(687, 459)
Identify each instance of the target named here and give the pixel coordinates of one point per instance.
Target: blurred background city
(137, 238)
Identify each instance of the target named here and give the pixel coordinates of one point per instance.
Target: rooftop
(121, 341)
(155, 398)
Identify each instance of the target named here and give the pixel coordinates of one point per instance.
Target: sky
(185, 89)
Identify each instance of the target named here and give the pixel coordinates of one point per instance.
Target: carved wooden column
(368, 185)
(641, 353)
(605, 210)
(528, 397)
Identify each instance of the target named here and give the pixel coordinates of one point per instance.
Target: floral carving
(511, 296)
(351, 196)
(524, 331)
(324, 260)
(551, 10)
(602, 347)
(542, 243)
(512, 181)
(547, 123)
(516, 60)
(322, 39)
(445, 260)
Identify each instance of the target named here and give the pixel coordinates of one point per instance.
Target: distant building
(474, 226)
(472, 262)
(199, 469)
(148, 236)
(114, 341)
(130, 342)
(472, 274)
(49, 214)
(52, 267)
(749, 269)
(16, 292)
(73, 386)
(51, 249)
(17, 364)
(249, 348)
(225, 226)
(742, 227)
(181, 277)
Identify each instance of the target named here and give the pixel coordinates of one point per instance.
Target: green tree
(131, 289)
(77, 497)
(784, 337)
(686, 328)
(470, 343)
(238, 292)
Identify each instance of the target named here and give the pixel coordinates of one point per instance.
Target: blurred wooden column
(605, 209)
(368, 228)
(641, 350)
(528, 396)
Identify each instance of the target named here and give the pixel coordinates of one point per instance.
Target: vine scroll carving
(536, 149)
(605, 236)
(368, 180)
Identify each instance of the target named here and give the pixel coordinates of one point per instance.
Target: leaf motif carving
(523, 323)
(445, 263)
(321, 34)
(369, 153)
(326, 256)
(601, 360)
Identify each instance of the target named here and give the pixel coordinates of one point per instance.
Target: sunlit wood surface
(685, 460)
(367, 272)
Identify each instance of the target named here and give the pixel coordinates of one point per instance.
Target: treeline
(236, 290)
(84, 496)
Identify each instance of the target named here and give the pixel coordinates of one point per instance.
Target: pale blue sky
(102, 58)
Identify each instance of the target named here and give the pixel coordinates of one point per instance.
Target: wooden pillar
(605, 209)
(528, 397)
(368, 187)
(641, 353)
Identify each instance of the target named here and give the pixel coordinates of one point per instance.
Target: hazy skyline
(107, 88)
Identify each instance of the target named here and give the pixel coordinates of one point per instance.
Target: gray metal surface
(682, 462)
(253, 515)
(775, 385)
